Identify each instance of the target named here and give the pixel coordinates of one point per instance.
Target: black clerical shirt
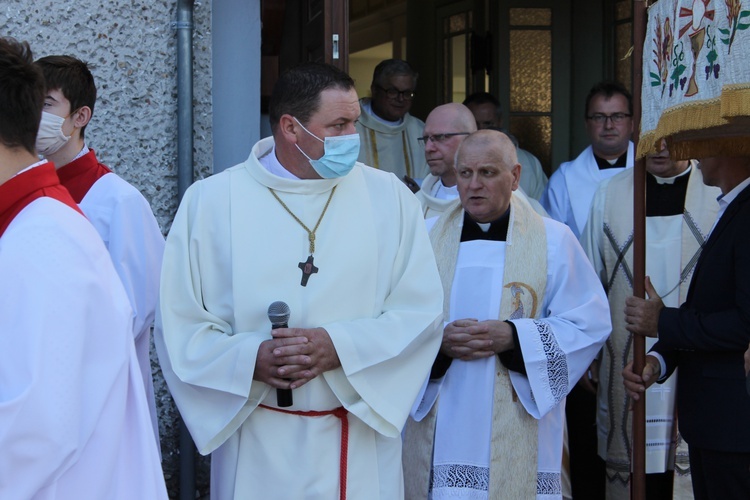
(497, 231)
(620, 162)
(663, 199)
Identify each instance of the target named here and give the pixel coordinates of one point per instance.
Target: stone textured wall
(130, 46)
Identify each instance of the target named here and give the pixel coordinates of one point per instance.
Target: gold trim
(310, 233)
(404, 144)
(374, 148)
(735, 100)
(711, 127)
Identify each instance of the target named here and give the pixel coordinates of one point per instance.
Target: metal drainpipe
(184, 27)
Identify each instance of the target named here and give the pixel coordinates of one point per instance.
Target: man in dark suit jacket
(706, 338)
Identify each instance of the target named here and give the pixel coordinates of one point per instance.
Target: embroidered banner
(696, 78)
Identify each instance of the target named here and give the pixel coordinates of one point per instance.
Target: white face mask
(50, 137)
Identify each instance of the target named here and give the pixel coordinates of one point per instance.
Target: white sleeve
(559, 347)
(136, 246)
(199, 352)
(555, 199)
(385, 358)
(533, 179)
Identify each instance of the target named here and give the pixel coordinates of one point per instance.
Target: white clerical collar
(84, 151)
(670, 180)
(484, 226)
(274, 166)
(33, 165)
(367, 106)
(441, 192)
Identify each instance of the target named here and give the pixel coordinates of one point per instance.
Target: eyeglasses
(438, 138)
(394, 93)
(601, 119)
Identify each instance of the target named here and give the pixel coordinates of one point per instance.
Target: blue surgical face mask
(341, 152)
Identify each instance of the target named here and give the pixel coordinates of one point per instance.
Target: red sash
(79, 175)
(341, 414)
(21, 190)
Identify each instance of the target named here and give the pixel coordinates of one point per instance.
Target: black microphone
(278, 315)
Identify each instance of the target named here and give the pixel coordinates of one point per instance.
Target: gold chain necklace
(307, 267)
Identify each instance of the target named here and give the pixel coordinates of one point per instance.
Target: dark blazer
(707, 336)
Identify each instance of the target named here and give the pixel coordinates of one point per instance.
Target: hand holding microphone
(308, 353)
(278, 315)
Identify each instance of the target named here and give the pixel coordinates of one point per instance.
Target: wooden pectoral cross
(308, 268)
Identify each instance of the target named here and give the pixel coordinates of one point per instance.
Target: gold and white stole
(513, 458)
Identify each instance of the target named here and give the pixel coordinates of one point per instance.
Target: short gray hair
(389, 67)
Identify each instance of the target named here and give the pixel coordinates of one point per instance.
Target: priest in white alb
(609, 125)
(680, 211)
(387, 131)
(567, 198)
(345, 247)
(524, 316)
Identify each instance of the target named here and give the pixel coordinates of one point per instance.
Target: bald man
(525, 315)
(488, 113)
(444, 131)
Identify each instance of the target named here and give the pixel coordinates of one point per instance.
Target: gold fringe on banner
(715, 146)
(735, 100)
(710, 118)
(714, 127)
(689, 116)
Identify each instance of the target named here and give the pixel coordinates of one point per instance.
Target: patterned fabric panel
(548, 483)
(460, 476)
(557, 364)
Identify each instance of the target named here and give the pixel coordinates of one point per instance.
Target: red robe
(21, 190)
(79, 175)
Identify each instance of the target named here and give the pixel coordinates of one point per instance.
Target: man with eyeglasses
(609, 124)
(444, 131)
(567, 198)
(387, 131)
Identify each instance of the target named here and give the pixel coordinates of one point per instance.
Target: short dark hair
(72, 77)
(389, 67)
(608, 89)
(21, 95)
(297, 92)
(478, 98)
